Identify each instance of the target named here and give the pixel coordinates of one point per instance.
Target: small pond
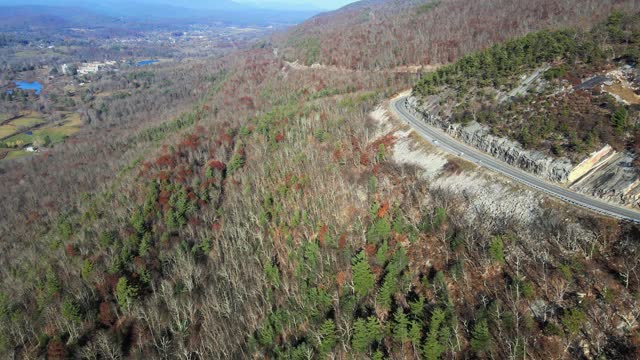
(29, 86)
(146, 62)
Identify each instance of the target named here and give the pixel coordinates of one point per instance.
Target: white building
(94, 67)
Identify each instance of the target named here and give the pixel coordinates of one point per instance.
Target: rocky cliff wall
(612, 179)
(479, 136)
(589, 163)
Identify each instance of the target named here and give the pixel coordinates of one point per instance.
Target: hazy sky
(320, 4)
(274, 4)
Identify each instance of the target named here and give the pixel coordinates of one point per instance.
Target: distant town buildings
(94, 67)
(69, 69)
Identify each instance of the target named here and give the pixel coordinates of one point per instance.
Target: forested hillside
(382, 34)
(549, 115)
(243, 208)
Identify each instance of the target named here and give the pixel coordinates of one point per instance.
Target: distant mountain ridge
(42, 18)
(141, 10)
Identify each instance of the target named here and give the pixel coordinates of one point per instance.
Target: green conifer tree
(481, 337)
(363, 278)
(400, 326)
(433, 348)
(125, 293)
(328, 336)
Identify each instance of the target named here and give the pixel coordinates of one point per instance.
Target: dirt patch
(411, 152)
(487, 193)
(405, 146)
(491, 198)
(408, 69)
(456, 166)
(380, 116)
(414, 69)
(623, 92)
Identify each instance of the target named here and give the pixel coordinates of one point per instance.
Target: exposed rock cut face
(506, 150)
(606, 174)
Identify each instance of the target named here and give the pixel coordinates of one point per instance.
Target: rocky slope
(611, 178)
(509, 151)
(605, 174)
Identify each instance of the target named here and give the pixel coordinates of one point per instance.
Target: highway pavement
(439, 138)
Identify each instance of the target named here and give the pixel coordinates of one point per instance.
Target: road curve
(439, 138)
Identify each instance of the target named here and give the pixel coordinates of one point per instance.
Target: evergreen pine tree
(383, 300)
(125, 293)
(360, 339)
(379, 231)
(328, 335)
(400, 326)
(496, 250)
(363, 278)
(433, 348)
(374, 329)
(480, 337)
(415, 333)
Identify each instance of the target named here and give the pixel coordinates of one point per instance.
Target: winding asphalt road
(439, 138)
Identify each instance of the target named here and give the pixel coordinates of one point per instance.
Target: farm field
(51, 134)
(14, 154)
(57, 132)
(27, 120)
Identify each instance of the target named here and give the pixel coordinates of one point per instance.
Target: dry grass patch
(625, 93)
(27, 121)
(7, 130)
(14, 154)
(455, 166)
